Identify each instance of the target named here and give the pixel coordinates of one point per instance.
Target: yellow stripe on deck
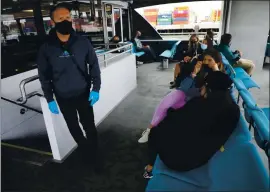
(26, 149)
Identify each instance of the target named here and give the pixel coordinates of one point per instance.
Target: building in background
(179, 20)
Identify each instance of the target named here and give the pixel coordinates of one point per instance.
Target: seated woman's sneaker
(144, 137)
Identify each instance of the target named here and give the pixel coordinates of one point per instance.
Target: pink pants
(175, 100)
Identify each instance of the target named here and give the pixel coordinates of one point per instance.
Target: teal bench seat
(168, 54)
(238, 168)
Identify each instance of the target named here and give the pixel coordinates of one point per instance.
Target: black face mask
(64, 27)
(206, 69)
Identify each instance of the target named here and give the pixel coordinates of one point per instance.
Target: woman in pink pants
(175, 99)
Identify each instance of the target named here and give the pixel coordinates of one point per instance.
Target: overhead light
(28, 11)
(7, 8)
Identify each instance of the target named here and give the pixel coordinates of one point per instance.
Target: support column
(39, 20)
(93, 11)
(99, 11)
(20, 27)
(131, 31)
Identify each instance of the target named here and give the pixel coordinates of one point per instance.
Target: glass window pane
(179, 20)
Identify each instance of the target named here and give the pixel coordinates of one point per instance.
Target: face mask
(206, 68)
(64, 27)
(203, 46)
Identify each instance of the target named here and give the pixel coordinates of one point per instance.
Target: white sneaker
(144, 137)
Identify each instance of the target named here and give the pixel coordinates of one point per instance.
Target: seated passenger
(211, 62)
(210, 35)
(189, 137)
(234, 58)
(184, 68)
(193, 48)
(114, 43)
(140, 47)
(115, 39)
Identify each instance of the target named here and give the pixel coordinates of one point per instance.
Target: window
(9, 30)
(179, 20)
(28, 26)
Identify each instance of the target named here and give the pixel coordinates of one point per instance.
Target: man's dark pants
(69, 108)
(148, 51)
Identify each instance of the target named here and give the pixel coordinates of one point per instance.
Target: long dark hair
(190, 42)
(216, 56)
(226, 39)
(209, 42)
(210, 34)
(199, 81)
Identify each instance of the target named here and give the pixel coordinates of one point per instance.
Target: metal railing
(24, 97)
(125, 49)
(186, 33)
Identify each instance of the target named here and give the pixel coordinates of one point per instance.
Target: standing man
(63, 72)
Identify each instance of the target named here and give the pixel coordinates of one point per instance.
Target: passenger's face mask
(64, 27)
(203, 46)
(206, 68)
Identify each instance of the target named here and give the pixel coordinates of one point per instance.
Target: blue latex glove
(94, 97)
(53, 107)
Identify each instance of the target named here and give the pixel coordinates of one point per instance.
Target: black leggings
(152, 151)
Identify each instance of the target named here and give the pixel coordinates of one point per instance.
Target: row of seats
(165, 55)
(239, 166)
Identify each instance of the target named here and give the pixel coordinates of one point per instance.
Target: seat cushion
(266, 112)
(240, 135)
(239, 168)
(248, 99)
(239, 70)
(162, 183)
(166, 54)
(239, 84)
(250, 83)
(196, 178)
(139, 54)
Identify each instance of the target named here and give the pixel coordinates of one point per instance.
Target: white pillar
(249, 26)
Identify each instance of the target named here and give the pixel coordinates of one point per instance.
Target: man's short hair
(58, 6)
(226, 38)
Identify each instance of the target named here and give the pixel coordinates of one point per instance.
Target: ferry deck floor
(123, 157)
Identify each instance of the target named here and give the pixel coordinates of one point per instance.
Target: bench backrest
(174, 47)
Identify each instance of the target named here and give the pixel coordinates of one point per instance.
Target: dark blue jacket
(58, 72)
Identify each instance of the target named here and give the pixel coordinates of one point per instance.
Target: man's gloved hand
(53, 107)
(94, 97)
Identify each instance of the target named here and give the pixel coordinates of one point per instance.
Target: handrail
(117, 55)
(116, 49)
(24, 96)
(95, 48)
(186, 33)
(129, 46)
(22, 89)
